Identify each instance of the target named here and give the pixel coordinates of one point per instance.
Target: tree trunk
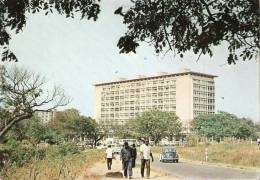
(157, 139)
(5, 129)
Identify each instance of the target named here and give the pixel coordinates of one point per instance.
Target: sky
(77, 54)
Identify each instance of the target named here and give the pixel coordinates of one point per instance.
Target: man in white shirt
(109, 155)
(146, 154)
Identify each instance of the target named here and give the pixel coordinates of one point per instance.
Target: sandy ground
(99, 170)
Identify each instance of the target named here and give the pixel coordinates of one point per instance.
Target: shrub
(192, 140)
(21, 153)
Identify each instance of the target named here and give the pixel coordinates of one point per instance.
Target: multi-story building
(45, 116)
(186, 93)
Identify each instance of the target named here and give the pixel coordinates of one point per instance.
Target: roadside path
(99, 170)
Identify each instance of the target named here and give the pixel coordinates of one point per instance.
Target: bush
(192, 140)
(22, 153)
(67, 148)
(54, 165)
(28, 160)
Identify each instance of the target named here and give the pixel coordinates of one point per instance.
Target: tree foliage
(34, 131)
(168, 25)
(156, 125)
(96, 132)
(13, 16)
(197, 25)
(222, 125)
(71, 124)
(64, 122)
(22, 93)
(121, 132)
(88, 128)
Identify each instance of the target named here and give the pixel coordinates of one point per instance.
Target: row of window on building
(137, 102)
(139, 91)
(137, 83)
(127, 108)
(203, 100)
(131, 114)
(204, 107)
(203, 93)
(141, 96)
(203, 82)
(203, 87)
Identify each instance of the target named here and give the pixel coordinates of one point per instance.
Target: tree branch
(164, 25)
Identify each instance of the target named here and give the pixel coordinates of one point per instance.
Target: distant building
(45, 116)
(187, 93)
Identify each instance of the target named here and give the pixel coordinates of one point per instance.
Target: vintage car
(169, 154)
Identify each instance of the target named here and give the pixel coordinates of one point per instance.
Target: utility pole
(206, 154)
(258, 87)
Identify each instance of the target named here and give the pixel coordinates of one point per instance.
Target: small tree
(222, 125)
(86, 127)
(71, 124)
(34, 131)
(64, 122)
(22, 93)
(156, 125)
(98, 132)
(124, 133)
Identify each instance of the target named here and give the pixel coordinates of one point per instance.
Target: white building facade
(187, 94)
(45, 116)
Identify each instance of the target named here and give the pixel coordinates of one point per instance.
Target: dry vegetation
(68, 167)
(242, 154)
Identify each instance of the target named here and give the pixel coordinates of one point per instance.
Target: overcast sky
(79, 53)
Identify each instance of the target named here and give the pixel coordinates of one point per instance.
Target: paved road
(188, 170)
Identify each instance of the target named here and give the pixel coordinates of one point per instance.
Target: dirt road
(99, 170)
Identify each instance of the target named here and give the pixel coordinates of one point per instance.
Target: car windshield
(169, 155)
(169, 150)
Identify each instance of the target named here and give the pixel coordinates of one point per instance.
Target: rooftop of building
(162, 75)
(41, 110)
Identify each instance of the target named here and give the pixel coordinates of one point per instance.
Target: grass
(71, 165)
(243, 154)
(67, 167)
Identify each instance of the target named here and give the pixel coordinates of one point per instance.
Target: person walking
(127, 156)
(109, 156)
(146, 155)
(258, 141)
(134, 155)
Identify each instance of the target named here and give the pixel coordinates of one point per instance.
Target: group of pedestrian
(128, 157)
